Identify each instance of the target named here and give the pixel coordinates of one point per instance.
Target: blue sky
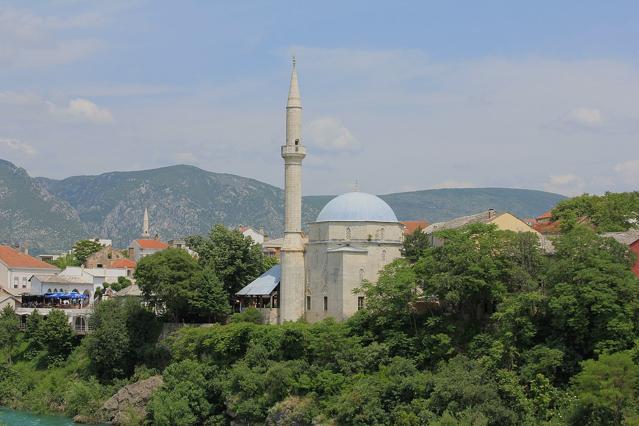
(398, 95)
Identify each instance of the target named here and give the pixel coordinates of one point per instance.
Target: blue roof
(356, 207)
(264, 284)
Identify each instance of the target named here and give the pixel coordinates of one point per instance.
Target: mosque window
(381, 234)
(308, 303)
(348, 233)
(297, 141)
(360, 303)
(361, 274)
(383, 255)
(325, 303)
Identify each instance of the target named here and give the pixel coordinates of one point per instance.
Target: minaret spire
(145, 224)
(292, 283)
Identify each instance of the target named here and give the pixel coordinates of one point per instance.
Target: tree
(63, 262)
(165, 279)
(182, 400)
(389, 301)
(606, 390)
(593, 296)
(269, 262)
(609, 212)
(121, 283)
(208, 300)
(236, 260)
(9, 329)
(414, 245)
(57, 335)
(124, 333)
(85, 248)
(35, 331)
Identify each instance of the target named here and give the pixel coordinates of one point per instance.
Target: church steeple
(145, 224)
(292, 281)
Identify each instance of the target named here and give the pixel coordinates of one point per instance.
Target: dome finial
(294, 60)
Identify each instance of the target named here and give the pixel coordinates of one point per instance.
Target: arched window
(80, 324)
(381, 234)
(49, 290)
(348, 233)
(361, 274)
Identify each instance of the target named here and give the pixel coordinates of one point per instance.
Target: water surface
(21, 418)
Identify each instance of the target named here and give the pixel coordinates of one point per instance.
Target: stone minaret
(145, 225)
(292, 282)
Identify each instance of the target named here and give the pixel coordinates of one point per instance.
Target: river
(21, 418)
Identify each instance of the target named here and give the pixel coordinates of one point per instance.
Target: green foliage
(63, 262)
(124, 334)
(269, 262)
(235, 259)
(56, 336)
(609, 212)
(183, 399)
(9, 328)
(172, 280)
(606, 391)
(414, 245)
(85, 248)
(593, 297)
(121, 283)
(252, 315)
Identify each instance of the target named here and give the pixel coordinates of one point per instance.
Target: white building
(145, 246)
(17, 268)
(354, 236)
(256, 236)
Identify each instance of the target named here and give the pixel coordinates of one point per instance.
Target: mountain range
(183, 200)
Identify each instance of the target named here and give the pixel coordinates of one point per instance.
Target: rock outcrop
(130, 401)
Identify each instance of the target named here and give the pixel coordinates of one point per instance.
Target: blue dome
(356, 207)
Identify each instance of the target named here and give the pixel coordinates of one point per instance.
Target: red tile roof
(152, 244)
(411, 226)
(16, 259)
(546, 215)
(123, 263)
(547, 227)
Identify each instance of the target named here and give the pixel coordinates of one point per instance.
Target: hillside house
(504, 221)
(17, 268)
(144, 247)
(272, 248)
(105, 257)
(257, 236)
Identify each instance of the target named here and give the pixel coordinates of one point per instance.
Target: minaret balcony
(293, 151)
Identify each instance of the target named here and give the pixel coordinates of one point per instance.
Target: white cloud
(629, 171)
(454, 184)
(329, 134)
(82, 110)
(568, 184)
(19, 146)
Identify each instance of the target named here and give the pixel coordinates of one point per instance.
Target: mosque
(354, 236)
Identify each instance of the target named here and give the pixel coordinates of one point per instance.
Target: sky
(398, 96)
